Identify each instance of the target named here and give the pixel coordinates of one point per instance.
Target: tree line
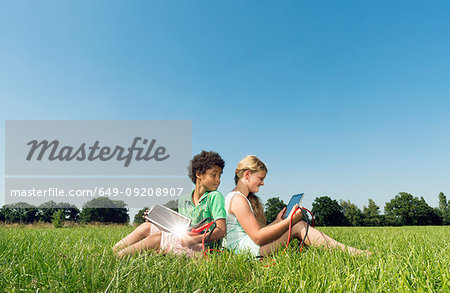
(100, 209)
(403, 210)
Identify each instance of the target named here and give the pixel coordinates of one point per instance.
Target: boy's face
(210, 179)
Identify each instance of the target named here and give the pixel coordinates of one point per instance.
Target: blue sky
(346, 99)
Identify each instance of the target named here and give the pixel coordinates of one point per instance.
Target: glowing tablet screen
(168, 220)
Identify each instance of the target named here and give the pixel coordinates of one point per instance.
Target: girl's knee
(301, 223)
(299, 227)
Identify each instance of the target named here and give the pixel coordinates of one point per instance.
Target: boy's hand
(187, 240)
(280, 215)
(145, 214)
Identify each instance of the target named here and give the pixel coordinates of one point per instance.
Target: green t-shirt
(211, 205)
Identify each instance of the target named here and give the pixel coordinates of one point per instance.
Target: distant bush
(102, 209)
(58, 219)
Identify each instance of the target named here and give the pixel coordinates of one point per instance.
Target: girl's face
(211, 178)
(255, 180)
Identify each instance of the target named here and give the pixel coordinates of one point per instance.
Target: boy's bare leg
(137, 235)
(150, 242)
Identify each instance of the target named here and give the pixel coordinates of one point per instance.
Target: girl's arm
(241, 209)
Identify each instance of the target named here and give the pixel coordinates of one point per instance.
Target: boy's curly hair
(204, 161)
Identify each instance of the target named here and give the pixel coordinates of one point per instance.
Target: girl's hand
(280, 215)
(297, 216)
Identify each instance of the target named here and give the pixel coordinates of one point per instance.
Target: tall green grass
(405, 259)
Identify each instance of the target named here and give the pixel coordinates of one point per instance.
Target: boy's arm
(219, 214)
(217, 210)
(218, 233)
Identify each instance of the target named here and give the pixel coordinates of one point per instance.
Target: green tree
(352, 213)
(173, 205)
(444, 209)
(328, 212)
(138, 218)
(5, 213)
(371, 214)
(426, 215)
(102, 209)
(47, 209)
(273, 206)
(399, 211)
(58, 218)
(20, 212)
(406, 210)
(2, 214)
(71, 212)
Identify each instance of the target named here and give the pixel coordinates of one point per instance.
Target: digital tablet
(168, 220)
(295, 199)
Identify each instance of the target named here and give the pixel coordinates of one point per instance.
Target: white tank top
(237, 239)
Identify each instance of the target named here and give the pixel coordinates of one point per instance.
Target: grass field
(44, 259)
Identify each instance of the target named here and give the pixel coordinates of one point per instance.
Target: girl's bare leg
(314, 238)
(137, 235)
(150, 242)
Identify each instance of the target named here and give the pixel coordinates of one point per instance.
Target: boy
(204, 201)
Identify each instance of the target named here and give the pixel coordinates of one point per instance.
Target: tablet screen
(295, 199)
(168, 220)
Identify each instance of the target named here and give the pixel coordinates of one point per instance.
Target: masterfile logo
(92, 153)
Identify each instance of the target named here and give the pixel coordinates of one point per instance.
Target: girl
(246, 224)
(204, 201)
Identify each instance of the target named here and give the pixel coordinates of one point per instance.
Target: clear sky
(349, 99)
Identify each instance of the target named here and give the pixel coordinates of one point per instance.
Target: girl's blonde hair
(253, 164)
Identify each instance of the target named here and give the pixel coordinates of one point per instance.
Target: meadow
(79, 259)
